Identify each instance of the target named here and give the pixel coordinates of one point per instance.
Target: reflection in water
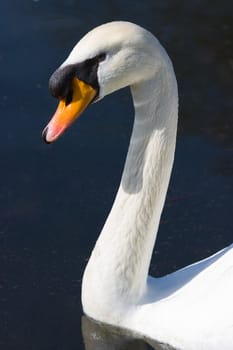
(97, 336)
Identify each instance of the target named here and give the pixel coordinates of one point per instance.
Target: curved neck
(118, 267)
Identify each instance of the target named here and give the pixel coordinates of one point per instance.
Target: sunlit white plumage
(193, 307)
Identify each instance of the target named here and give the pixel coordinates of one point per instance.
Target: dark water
(54, 200)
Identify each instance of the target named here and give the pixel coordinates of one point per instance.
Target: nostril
(69, 97)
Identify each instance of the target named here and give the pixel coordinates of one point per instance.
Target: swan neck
(121, 257)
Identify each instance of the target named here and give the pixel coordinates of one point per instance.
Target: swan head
(108, 58)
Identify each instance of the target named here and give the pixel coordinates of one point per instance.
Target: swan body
(193, 307)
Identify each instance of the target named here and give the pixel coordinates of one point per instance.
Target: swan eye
(69, 97)
(101, 57)
(95, 60)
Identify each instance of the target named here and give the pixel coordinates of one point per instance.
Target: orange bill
(66, 114)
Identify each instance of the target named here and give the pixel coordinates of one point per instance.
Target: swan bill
(69, 109)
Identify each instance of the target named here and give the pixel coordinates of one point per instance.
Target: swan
(191, 308)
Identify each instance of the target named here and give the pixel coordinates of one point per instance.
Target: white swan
(193, 307)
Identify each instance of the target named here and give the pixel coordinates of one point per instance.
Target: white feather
(193, 307)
